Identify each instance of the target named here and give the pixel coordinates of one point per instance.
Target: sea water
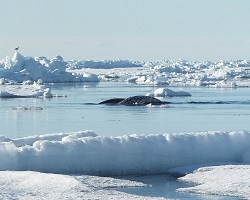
(165, 186)
(76, 108)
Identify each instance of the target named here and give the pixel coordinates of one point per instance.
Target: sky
(126, 29)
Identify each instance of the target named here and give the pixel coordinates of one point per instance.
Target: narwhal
(134, 101)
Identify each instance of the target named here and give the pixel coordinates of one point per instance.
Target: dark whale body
(112, 101)
(133, 101)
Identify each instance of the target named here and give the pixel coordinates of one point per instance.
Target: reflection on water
(80, 111)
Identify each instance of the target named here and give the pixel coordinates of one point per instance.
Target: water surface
(208, 109)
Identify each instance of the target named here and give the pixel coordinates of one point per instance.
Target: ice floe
(85, 152)
(166, 92)
(226, 180)
(234, 73)
(21, 68)
(35, 185)
(24, 91)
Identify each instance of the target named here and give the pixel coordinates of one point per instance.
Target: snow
(234, 73)
(86, 153)
(21, 68)
(24, 90)
(230, 180)
(165, 92)
(106, 64)
(35, 185)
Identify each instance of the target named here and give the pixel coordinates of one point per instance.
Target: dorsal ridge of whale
(140, 100)
(112, 101)
(134, 101)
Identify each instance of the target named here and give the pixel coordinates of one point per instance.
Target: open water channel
(208, 109)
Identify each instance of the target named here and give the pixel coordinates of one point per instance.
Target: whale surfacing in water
(133, 101)
(140, 100)
(112, 101)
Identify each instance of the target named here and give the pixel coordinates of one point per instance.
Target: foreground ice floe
(85, 152)
(234, 73)
(35, 185)
(230, 180)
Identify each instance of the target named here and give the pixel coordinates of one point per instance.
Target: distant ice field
(76, 108)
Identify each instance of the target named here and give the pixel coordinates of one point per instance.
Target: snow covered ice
(85, 152)
(24, 90)
(165, 92)
(21, 68)
(233, 180)
(234, 73)
(35, 185)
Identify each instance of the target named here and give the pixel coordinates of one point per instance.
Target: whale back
(140, 101)
(112, 101)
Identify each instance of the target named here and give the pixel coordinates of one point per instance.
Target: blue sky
(127, 29)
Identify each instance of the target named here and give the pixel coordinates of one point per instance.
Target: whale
(134, 101)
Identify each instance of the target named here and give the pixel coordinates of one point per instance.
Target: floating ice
(102, 64)
(21, 68)
(35, 185)
(182, 73)
(227, 180)
(165, 92)
(87, 153)
(166, 72)
(24, 91)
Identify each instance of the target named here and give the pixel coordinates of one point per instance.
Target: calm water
(208, 109)
(165, 186)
